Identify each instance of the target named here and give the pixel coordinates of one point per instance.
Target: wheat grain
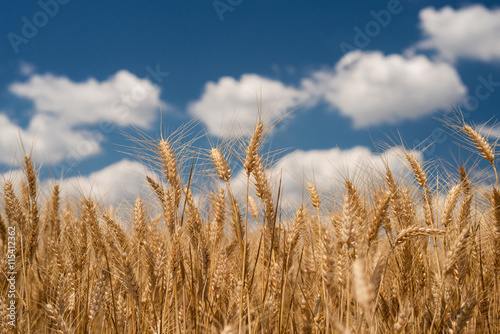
(223, 171)
(316, 202)
(253, 148)
(482, 144)
(449, 205)
(170, 166)
(415, 231)
(417, 169)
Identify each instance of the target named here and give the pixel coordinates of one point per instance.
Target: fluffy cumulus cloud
(230, 102)
(372, 88)
(329, 168)
(115, 184)
(369, 87)
(470, 32)
(48, 145)
(120, 181)
(123, 99)
(71, 107)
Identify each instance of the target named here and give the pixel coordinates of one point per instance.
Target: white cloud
(120, 181)
(230, 100)
(329, 167)
(368, 87)
(63, 109)
(470, 32)
(372, 88)
(123, 99)
(45, 143)
(114, 184)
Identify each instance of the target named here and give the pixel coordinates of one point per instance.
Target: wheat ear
(449, 205)
(415, 231)
(33, 209)
(170, 166)
(223, 170)
(253, 148)
(482, 144)
(316, 202)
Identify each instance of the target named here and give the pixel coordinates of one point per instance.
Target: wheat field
(393, 255)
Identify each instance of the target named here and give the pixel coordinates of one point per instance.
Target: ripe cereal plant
(385, 255)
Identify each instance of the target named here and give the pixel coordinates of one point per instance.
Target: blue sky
(75, 75)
